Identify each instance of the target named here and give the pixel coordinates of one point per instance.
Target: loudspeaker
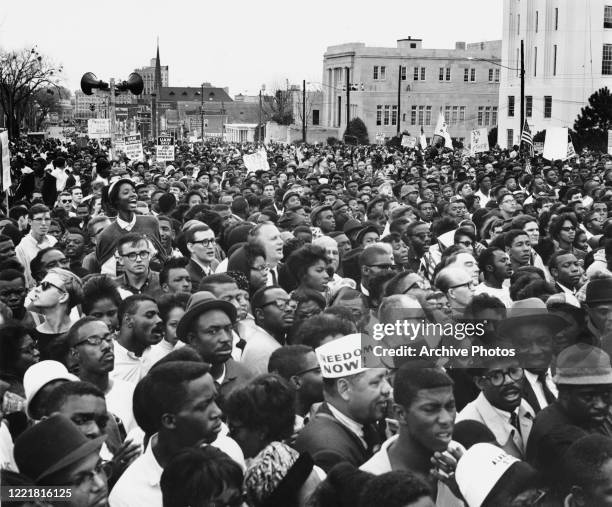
(89, 81)
(134, 84)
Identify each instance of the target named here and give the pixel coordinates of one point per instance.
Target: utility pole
(304, 111)
(202, 110)
(522, 89)
(399, 100)
(111, 104)
(259, 129)
(348, 96)
(153, 115)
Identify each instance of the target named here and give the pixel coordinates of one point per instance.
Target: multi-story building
(96, 105)
(463, 83)
(148, 76)
(567, 57)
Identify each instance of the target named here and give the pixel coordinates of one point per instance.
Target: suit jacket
(236, 375)
(196, 273)
(530, 397)
(506, 435)
(329, 442)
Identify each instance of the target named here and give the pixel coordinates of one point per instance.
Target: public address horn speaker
(134, 84)
(89, 81)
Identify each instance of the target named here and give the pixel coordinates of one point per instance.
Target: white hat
(39, 375)
(341, 357)
(478, 471)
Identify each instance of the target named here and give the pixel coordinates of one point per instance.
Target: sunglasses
(48, 285)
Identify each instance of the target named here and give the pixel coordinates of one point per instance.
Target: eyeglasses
(96, 341)
(314, 369)
(144, 255)
(48, 285)
(282, 304)
(497, 377)
(568, 229)
(205, 242)
(469, 284)
(262, 269)
(65, 202)
(467, 244)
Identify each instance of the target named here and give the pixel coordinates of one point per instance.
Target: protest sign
(256, 161)
(408, 141)
(133, 147)
(99, 128)
(165, 149)
(6, 160)
(609, 142)
(556, 144)
(479, 140)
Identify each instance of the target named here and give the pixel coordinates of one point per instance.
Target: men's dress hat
(52, 445)
(583, 364)
(528, 312)
(198, 303)
(599, 291)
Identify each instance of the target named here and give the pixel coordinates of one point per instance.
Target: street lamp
(202, 111)
(522, 74)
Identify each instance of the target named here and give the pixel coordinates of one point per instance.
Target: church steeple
(158, 77)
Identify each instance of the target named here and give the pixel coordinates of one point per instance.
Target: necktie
(274, 278)
(550, 397)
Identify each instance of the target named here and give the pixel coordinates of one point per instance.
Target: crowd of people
(195, 333)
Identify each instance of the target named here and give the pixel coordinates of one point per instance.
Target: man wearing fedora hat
(531, 329)
(584, 379)
(598, 304)
(55, 452)
(207, 327)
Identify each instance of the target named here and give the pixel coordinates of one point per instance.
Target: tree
(540, 136)
(592, 124)
(46, 101)
(278, 107)
(356, 129)
(22, 74)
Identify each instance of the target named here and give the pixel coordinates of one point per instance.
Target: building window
(462, 113)
(556, 18)
(487, 117)
(510, 138)
(510, 105)
(403, 117)
(382, 72)
(419, 73)
(378, 115)
(315, 116)
(494, 116)
(547, 106)
(441, 75)
(537, 21)
(555, 60)
(428, 115)
(448, 74)
(379, 73)
(375, 77)
(535, 62)
(528, 106)
(421, 110)
(480, 111)
(472, 75)
(490, 75)
(454, 115)
(447, 113)
(606, 64)
(403, 72)
(394, 115)
(608, 16)
(422, 73)
(466, 75)
(413, 45)
(413, 114)
(497, 75)
(386, 117)
(416, 74)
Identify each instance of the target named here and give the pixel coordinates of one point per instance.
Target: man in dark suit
(343, 429)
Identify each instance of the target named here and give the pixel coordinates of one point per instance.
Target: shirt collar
(351, 424)
(126, 225)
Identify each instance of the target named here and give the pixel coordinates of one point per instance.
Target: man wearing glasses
(201, 243)
(500, 405)
(39, 219)
(134, 252)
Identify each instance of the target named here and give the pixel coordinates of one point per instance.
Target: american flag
(527, 138)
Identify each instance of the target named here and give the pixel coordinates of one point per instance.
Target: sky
(240, 44)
